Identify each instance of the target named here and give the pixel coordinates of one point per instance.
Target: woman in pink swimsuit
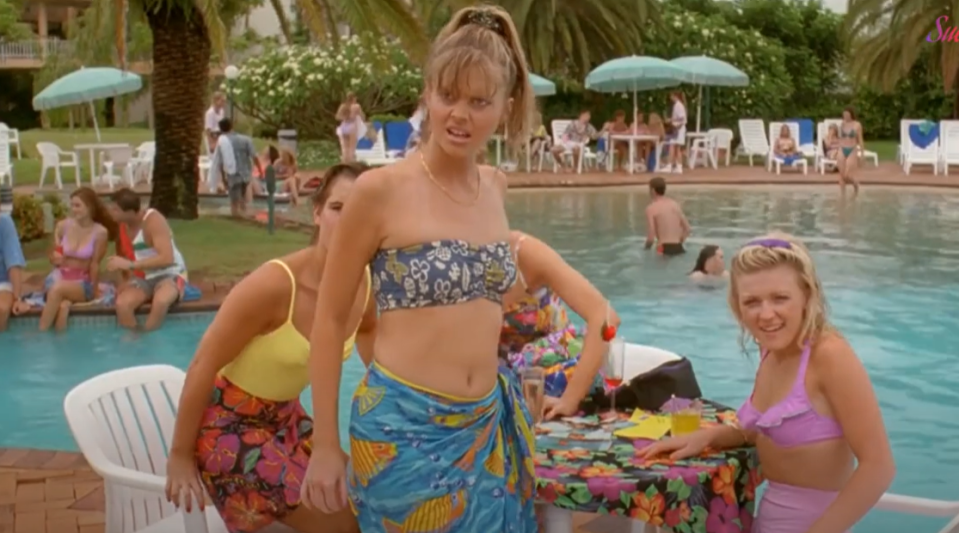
(79, 244)
(812, 415)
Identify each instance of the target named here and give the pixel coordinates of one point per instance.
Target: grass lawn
(26, 171)
(214, 248)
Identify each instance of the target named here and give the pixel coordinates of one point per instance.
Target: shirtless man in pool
(666, 224)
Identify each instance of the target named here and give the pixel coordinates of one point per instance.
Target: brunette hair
(705, 254)
(98, 211)
(619, 114)
(679, 96)
(333, 174)
(851, 111)
(126, 199)
(484, 37)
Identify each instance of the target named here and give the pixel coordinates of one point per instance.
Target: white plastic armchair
(142, 162)
(123, 424)
(52, 157)
(13, 137)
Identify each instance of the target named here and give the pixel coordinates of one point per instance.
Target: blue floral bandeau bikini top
(444, 272)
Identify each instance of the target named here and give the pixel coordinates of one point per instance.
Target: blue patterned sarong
(423, 462)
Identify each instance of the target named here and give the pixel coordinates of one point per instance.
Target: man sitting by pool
(666, 225)
(151, 266)
(11, 262)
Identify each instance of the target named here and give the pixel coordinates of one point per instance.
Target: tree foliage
(301, 86)
(11, 29)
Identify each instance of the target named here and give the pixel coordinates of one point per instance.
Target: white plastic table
(632, 139)
(93, 148)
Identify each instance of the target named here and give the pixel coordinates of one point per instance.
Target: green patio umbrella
(85, 86)
(634, 74)
(705, 70)
(541, 85)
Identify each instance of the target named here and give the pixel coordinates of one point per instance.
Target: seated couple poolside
(147, 262)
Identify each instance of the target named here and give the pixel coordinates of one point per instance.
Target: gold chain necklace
(446, 191)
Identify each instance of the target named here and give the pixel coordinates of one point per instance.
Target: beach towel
(424, 461)
(790, 159)
(922, 135)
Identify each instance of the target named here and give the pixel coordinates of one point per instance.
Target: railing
(32, 50)
(923, 507)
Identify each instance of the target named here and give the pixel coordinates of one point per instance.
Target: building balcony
(32, 54)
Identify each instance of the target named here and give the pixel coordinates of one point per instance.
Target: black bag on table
(649, 391)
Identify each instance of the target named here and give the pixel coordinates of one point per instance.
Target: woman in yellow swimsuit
(241, 432)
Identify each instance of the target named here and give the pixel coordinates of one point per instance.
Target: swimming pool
(889, 263)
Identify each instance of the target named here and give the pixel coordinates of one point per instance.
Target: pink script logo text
(949, 34)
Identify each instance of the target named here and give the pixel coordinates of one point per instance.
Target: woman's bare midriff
(825, 465)
(75, 263)
(455, 355)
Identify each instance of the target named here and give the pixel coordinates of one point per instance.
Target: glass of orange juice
(686, 420)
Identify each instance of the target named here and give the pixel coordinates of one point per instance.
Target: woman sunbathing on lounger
(831, 144)
(537, 331)
(79, 244)
(785, 147)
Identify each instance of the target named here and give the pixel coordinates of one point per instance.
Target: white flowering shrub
(685, 33)
(301, 86)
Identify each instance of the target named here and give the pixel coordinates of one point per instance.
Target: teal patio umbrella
(541, 85)
(86, 86)
(709, 71)
(634, 74)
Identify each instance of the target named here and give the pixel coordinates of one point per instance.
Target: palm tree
(887, 38)
(567, 37)
(185, 33)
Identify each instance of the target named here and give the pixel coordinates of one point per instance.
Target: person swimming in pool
(710, 265)
(666, 225)
(812, 415)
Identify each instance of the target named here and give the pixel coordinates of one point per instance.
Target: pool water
(889, 262)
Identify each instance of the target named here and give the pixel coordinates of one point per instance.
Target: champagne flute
(614, 368)
(533, 381)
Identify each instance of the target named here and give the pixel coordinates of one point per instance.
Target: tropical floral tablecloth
(714, 493)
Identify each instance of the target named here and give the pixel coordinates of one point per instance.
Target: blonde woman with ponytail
(812, 415)
(440, 438)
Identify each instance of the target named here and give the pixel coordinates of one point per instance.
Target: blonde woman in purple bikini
(812, 414)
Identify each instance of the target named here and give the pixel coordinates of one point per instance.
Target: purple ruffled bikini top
(793, 421)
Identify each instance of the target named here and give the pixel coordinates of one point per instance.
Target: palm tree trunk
(181, 62)
(283, 20)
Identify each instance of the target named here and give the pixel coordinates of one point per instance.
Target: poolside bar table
(632, 139)
(93, 148)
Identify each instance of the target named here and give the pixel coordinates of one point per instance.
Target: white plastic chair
(13, 137)
(822, 160)
(376, 155)
(6, 166)
(114, 159)
(203, 164)
(949, 139)
(775, 163)
(123, 424)
(913, 155)
(558, 131)
(706, 149)
(753, 141)
(142, 162)
(52, 157)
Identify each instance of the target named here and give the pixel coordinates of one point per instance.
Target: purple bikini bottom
(790, 509)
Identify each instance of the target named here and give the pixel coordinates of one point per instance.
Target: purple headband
(770, 243)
